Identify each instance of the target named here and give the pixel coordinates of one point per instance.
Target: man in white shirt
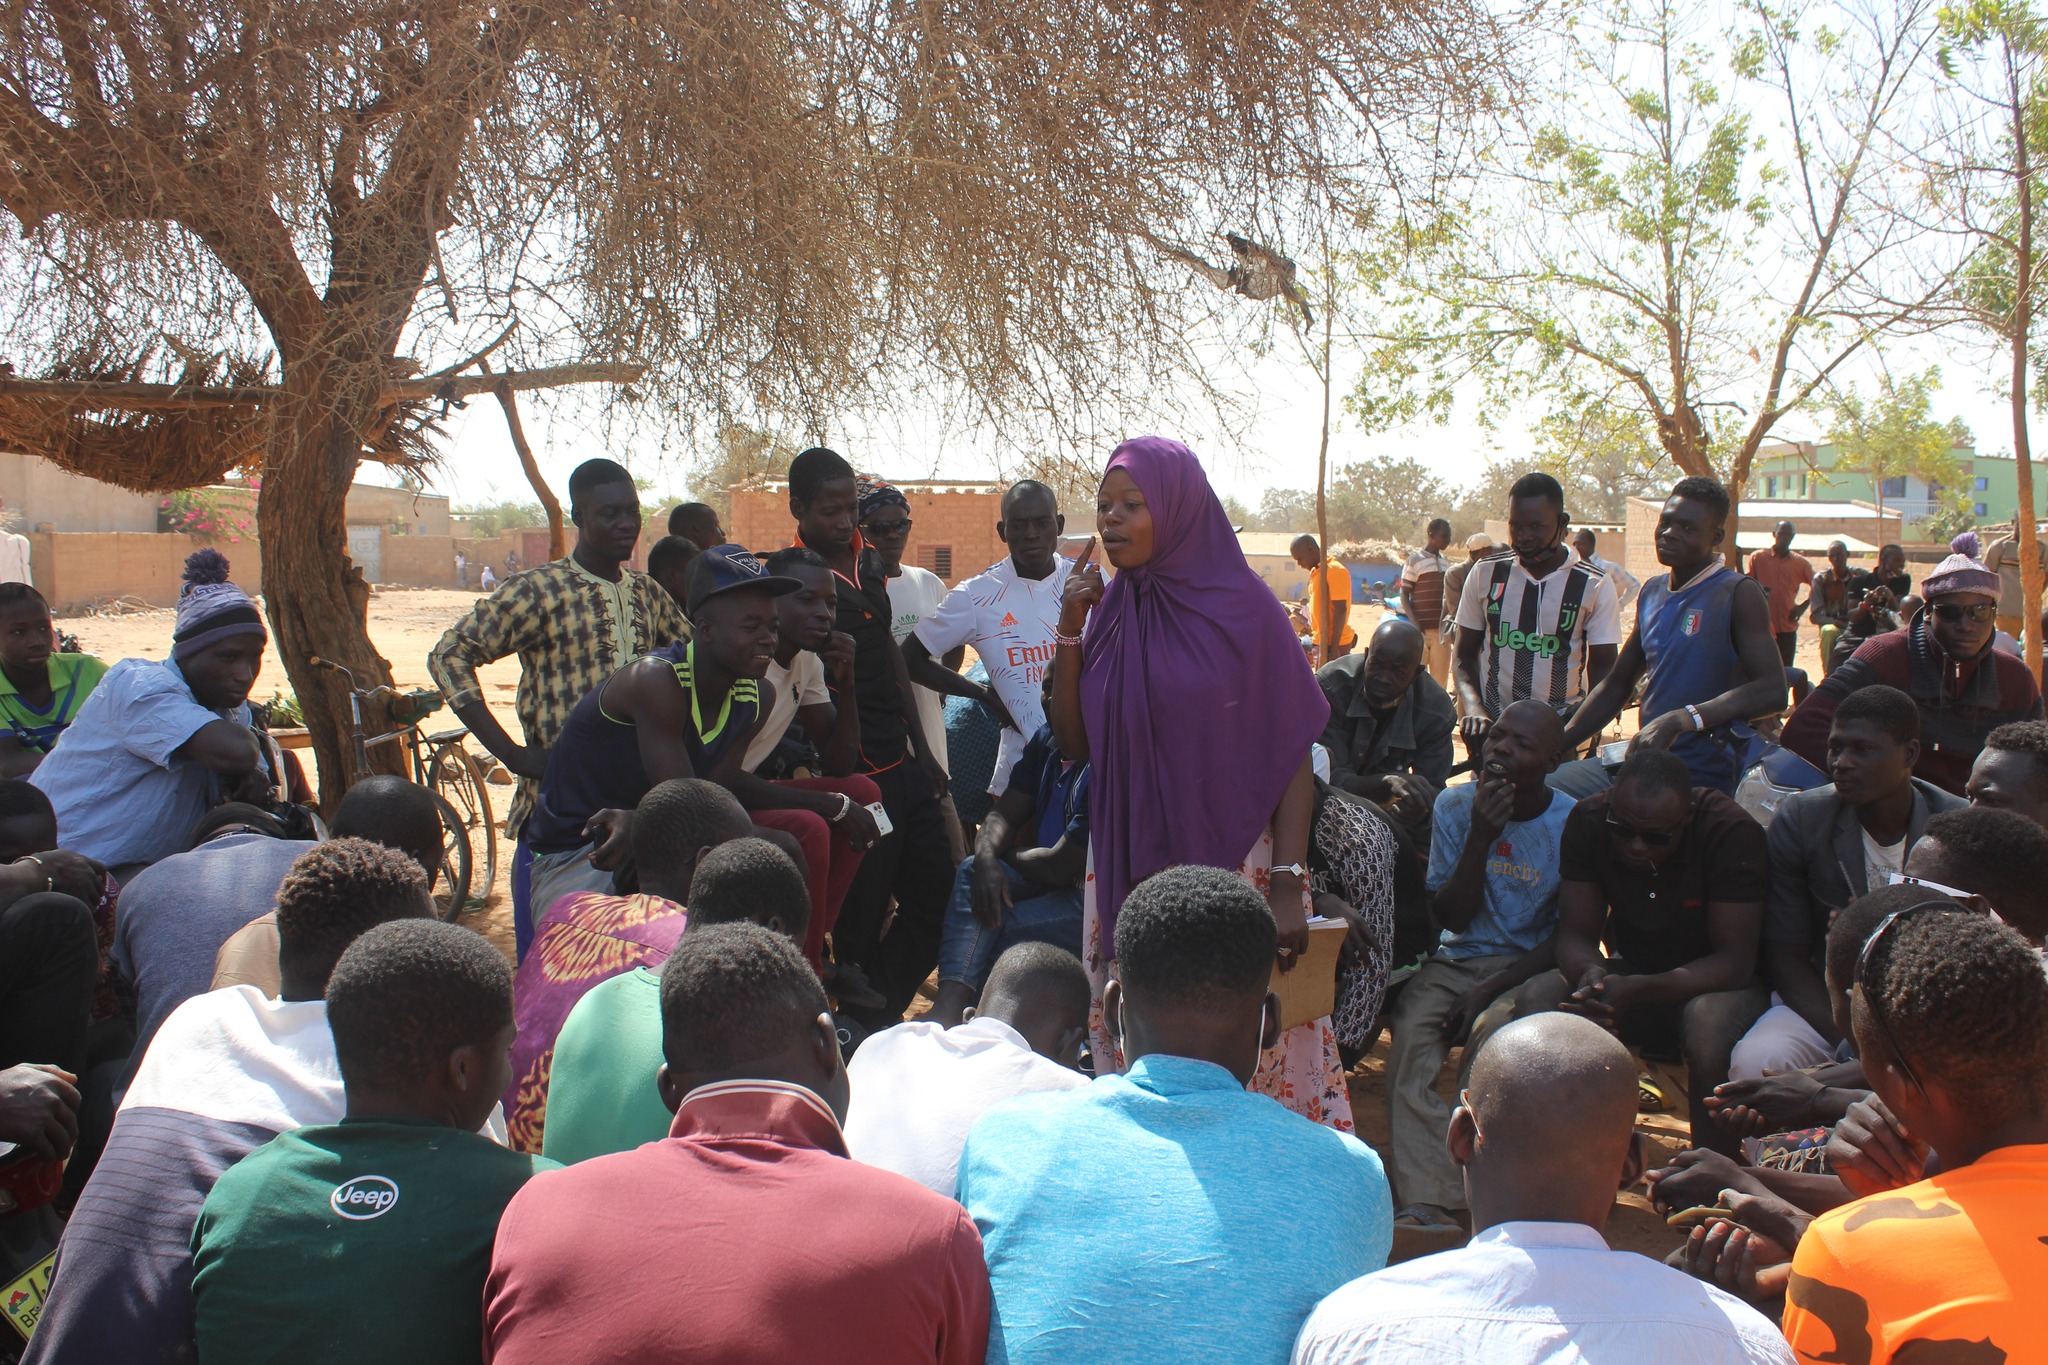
(1009, 612)
(1546, 1135)
(1535, 622)
(14, 558)
(1626, 584)
(917, 1088)
(806, 645)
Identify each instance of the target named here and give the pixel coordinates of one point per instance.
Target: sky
(1280, 449)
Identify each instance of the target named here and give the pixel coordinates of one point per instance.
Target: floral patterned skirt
(1302, 1069)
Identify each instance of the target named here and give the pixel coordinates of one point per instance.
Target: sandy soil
(405, 623)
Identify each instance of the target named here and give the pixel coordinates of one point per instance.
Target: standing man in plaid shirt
(573, 623)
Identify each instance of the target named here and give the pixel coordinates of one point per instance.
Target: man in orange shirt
(1782, 575)
(1329, 600)
(1950, 1014)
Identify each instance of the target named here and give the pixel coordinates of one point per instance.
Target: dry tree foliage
(782, 208)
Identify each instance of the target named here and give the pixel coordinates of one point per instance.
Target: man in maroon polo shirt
(747, 1235)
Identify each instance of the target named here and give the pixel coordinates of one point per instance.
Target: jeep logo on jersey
(1542, 646)
(367, 1196)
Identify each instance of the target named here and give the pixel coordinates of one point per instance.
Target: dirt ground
(405, 623)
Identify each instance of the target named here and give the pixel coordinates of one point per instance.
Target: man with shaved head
(1493, 864)
(1391, 725)
(1545, 1136)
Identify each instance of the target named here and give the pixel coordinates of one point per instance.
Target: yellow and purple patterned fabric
(584, 938)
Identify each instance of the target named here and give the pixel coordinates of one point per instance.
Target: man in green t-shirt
(369, 1239)
(40, 689)
(601, 1092)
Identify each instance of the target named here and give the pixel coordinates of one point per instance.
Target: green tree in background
(1892, 434)
(1615, 256)
(737, 455)
(488, 519)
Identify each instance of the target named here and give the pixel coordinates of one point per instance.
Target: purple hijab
(1199, 703)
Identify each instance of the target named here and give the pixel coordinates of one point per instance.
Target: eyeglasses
(1654, 838)
(887, 528)
(1956, 611)
(1870, 997)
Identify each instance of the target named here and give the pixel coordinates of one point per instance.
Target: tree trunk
(1323, 459)
(2022, 326)
(558, 541)
(314, 446)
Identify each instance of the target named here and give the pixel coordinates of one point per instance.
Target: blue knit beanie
(211, 609)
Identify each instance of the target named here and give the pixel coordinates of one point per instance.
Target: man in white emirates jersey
(1009, 613)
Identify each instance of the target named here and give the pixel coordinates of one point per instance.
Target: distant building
(1806, 471)
(91, 541)
(1858, 525)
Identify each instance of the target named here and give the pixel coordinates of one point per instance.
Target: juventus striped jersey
(1535, 631)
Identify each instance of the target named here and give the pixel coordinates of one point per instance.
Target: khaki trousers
(1436, 655)
(1418, 1117)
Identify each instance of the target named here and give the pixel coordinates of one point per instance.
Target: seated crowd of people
(802, 1056)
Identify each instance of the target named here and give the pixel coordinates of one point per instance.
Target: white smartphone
(881, 814)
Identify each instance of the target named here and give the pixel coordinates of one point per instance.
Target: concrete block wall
(760, 519)
(419, 562)
(954, 534)
(423, 514)
(76, 569)
(959, 519)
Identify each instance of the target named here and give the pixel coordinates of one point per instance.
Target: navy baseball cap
(722, 568)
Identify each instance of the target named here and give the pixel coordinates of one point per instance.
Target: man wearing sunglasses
(1673, 877)
(1944, 661)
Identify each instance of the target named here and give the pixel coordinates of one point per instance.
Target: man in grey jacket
(1391, 726)
(1830, 846)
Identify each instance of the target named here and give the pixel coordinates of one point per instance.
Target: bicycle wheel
(454, 774)
(451, 888)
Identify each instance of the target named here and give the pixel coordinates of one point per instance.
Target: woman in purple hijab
(1197, 710)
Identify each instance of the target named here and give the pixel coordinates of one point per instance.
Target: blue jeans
(967, 951)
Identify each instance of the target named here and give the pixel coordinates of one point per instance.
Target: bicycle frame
(360, 741)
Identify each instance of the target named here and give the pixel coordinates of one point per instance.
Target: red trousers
(832, 860)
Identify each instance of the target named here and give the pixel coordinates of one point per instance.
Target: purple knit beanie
(1962, 571)
(211, 609)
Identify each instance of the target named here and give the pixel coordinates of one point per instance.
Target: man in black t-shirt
(914, 863)
(1672, 879)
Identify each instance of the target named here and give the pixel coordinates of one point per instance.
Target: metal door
(366, 548)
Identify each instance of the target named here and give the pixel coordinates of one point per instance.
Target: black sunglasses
(887, 528)
(1956, 611)
(1654, 838)
(1870, 997)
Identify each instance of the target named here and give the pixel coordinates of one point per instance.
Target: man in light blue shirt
(1168, 1215)
(158, 744)
(1493, 864)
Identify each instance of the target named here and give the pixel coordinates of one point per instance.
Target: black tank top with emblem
(595, 764)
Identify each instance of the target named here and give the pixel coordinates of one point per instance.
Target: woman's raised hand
(1082, 591)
